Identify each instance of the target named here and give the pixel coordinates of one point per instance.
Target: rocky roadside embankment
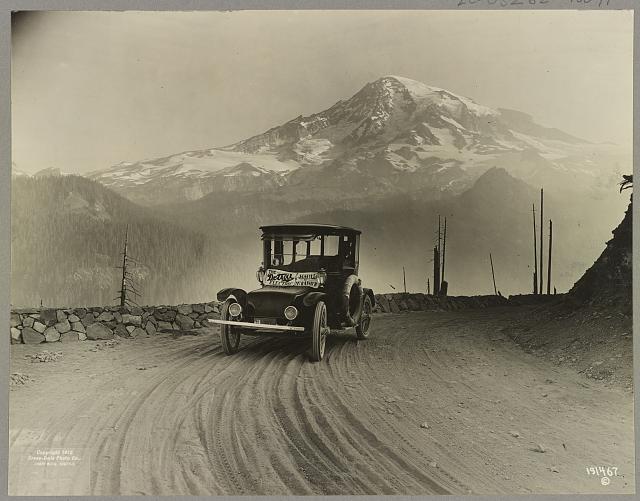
(34, 326)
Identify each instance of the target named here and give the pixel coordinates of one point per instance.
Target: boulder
(15, 335)
(99, 331)
(121, 330)
(70, 337)
(131, 319)
(39, 327)
(198, 308)
(138, 332)
(164, 326)
(51, 335)
(105, 316)
(117, 316)
(48, 317)
(81, 336)
(185, 309)
(193, 315)
(80, 312)
(28, 322)
(383, 302)
(61, 316)
(166, 315)
(78, 327)
(130, 328)
(184, 322)
(63, 326)
(207, 308)
(393, 307)
(15, 320)
(73, 318)
(31, 336)
(88, 320)
(150, 328)
(136, 311)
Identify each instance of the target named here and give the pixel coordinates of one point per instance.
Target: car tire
(364, 324)
(320, 330)
(229, 336)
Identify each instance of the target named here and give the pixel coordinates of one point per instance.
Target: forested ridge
(67, 236)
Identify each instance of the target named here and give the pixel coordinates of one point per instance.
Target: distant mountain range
(388, 161)
(395, 135)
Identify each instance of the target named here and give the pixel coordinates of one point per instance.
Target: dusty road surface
(432, 403)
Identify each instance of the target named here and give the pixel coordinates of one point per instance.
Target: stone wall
(34, 326)
(394, 303)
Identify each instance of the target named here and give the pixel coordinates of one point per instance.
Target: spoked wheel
(229, 335)
(362, 329)
(320, 332)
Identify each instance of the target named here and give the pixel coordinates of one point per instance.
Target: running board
(261, 327)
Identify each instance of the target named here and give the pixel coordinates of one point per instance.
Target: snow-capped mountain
(394, 134)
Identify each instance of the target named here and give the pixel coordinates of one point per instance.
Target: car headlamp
(235, 309)
(260, 274)
(290, 312)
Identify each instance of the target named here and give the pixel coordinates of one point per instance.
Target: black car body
(309, 285)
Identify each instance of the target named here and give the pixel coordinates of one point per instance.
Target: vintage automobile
(309, 285)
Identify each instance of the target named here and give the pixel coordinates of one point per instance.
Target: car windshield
(308, 252)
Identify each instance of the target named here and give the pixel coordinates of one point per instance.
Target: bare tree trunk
(495, 289)
(549, 265)
(541, 274)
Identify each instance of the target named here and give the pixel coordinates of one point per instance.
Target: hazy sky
(91, 89)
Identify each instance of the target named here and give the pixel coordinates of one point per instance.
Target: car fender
(312, 298)
(232, 293)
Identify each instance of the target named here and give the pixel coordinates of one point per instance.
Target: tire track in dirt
(267, 421)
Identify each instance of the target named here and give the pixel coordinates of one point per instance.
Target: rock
(131, 319)
(61, 316)
(175, 326)
(166, 316)
(15, 320)
(433, 464)
(393, 307)
(80, 312)
(136, 311)
(425, 426)
(185, 309)
(198, 308)
(539, 448)
(184, 322)
(164, 326)
(99, 331)
(150, 328)
(70, 337)
(39, 327)
(138, 332)
(28, 322)
(117, 316)
(105, 316)
(48, 317)
(15, 334)
(514, 434)
(197, 325)
(31, 336)
(207, 308)
(81, 335)
(130, 328)
(78, 327)
(121, 330)
(88, 320)
(73, 318)
(193, 315)
(63, 326)
(51, 335)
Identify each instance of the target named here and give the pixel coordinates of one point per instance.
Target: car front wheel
(320, 330)
(229, 335)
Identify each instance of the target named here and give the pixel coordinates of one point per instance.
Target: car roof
(326, 229)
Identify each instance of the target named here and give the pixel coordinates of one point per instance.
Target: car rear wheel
(229, 335)
(320, 332)
(362, 329)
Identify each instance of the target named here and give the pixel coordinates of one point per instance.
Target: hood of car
(271, 301)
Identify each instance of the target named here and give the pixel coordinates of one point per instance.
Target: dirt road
(432, 403)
